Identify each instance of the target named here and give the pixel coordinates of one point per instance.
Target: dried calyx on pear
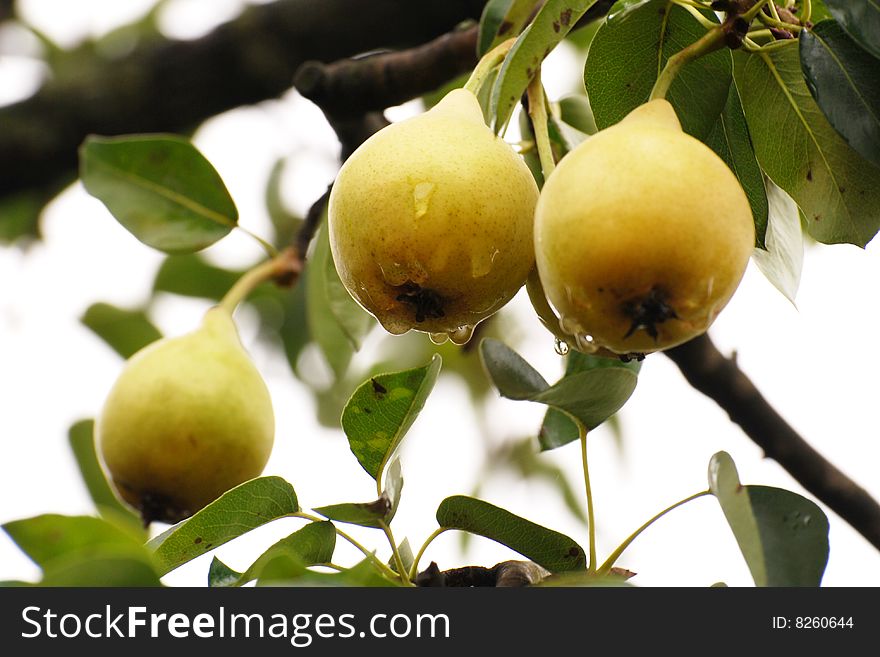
(431, 220)
(642, 235)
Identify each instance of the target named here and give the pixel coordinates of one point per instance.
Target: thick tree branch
(173, 85)
(719, 378)
(353, 86)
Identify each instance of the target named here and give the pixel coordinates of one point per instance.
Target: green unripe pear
(642, 235)
(431, 220)
(189, 418)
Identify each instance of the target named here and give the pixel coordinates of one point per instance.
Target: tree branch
(719, 378)
(166, 85)
(353, 86)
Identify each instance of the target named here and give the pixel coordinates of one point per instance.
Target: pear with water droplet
(189, 418)
(642, 235)
(431, 220)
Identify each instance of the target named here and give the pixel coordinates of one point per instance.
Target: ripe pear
(642, 235)
(189, 418)
(431, 219)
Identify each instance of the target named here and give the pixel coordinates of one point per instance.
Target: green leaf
(837, 190)
(125, 331)
(511, 374)
(782, 536)
(382, 410)
(575, 110)
(364, 514)
(335, 343)
(221, 575)
(783, 259)
(160, 188)
(84, 551)
(558, 429)
(82, 442)
(549, 27)
(861, 20)
(191, 276)
(114, 567)
(591, 395)
(236, 512)
(48, 537)
(313, 544)
(626, 58)
(550, 549)
(729, 138)
(501, 20)
(21, 217)
(845, 82)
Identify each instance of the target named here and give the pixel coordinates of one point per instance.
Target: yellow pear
(189, 418)
(431, 221)
(642, 235)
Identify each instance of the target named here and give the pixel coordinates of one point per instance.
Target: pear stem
(591, 516)
(286, 264)
(488, 62)
(609, 562)
(538, 116)
(711, 41)
(415, 566)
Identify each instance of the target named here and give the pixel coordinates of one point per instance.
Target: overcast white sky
(815, 363)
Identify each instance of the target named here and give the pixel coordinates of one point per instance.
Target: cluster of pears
(188, 418)
(641, 235)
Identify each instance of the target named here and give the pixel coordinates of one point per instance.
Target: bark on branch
(719, 378)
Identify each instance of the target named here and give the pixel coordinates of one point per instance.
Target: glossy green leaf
(335, 343)
(511, 374)
(845, 82)
(160, 188)
(381, 411)
(558, 429)
(783, 259)
(82, 443)
(554, 551)
(837, 190)
(124, 331)
(782, 536)
(584, 580)
(236, 512)
(626, 58)
(729, 137)
(861, 20)
(591, 395)
(548, 28)
(364, 514)
(311, 545)
(501, 20)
